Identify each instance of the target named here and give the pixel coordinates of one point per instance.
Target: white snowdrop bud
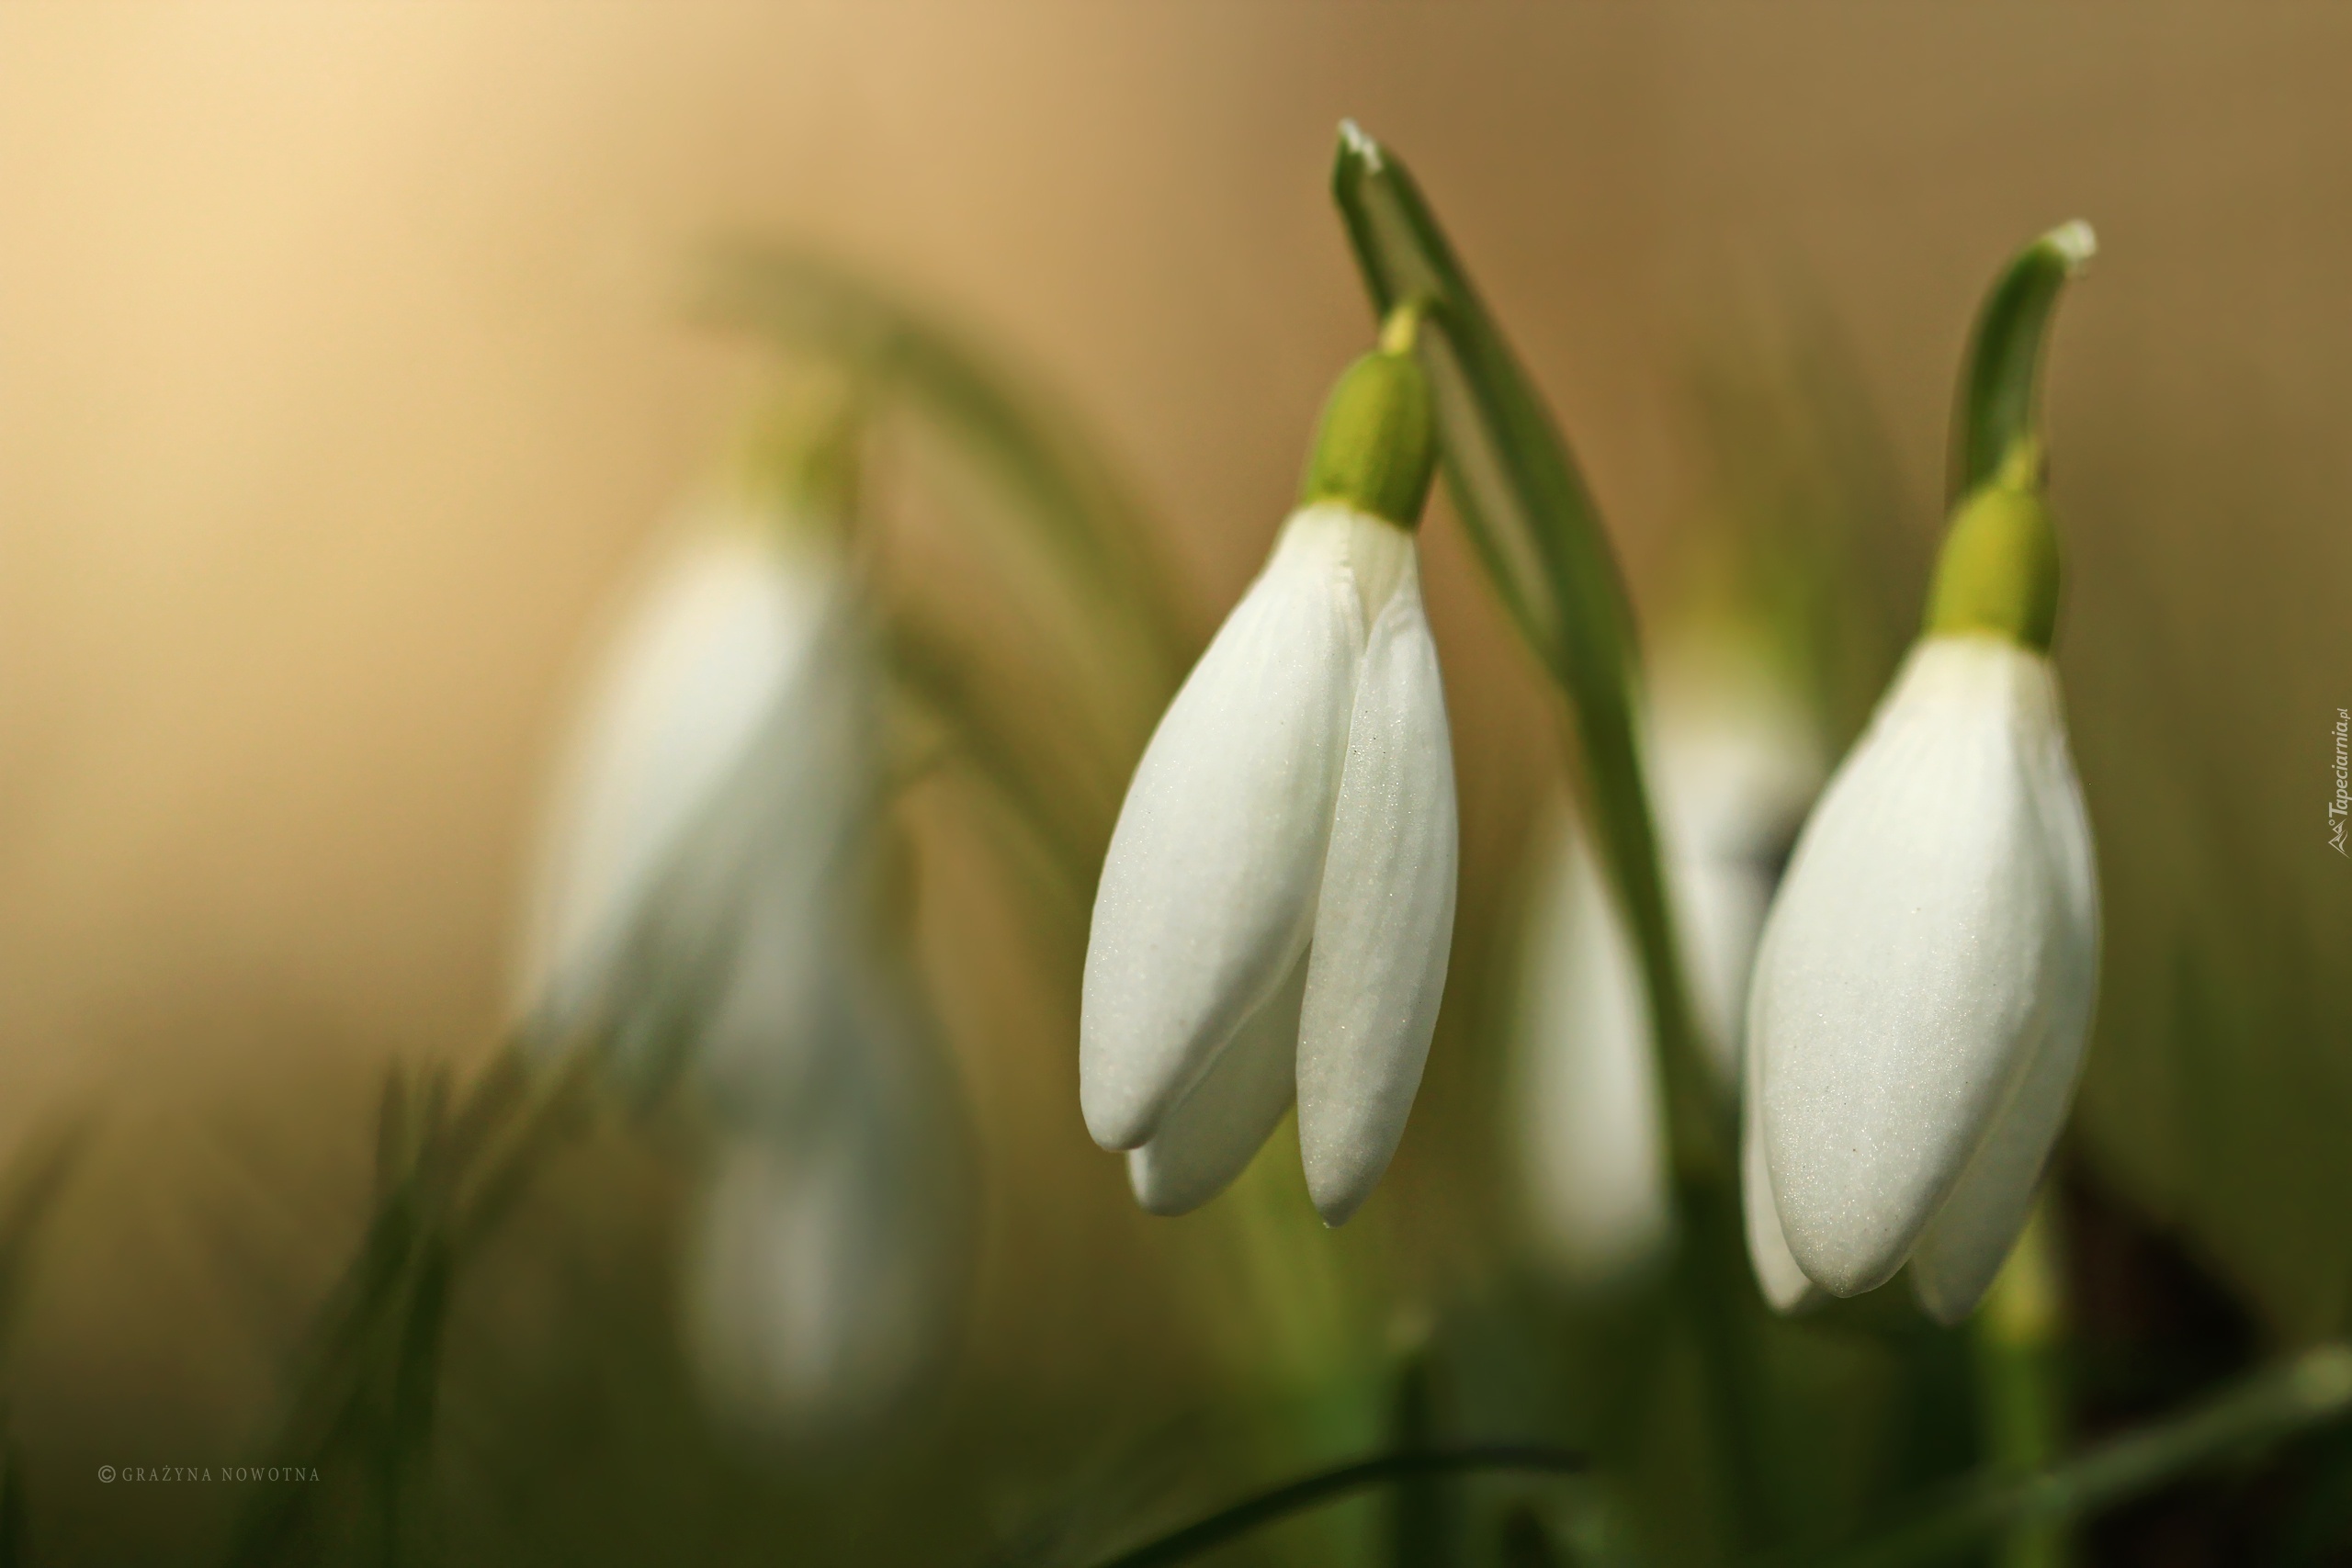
(712, 797)
(1925, 981)
(1276, 910)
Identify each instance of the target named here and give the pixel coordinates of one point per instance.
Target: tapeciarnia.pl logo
(2340, 807)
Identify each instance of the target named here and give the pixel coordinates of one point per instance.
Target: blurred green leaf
(368, 1386)
(35, 1180)
(1048, 701)
(1071, 496)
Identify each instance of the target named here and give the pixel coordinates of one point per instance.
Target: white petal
(1963, 1248)
(1590, 1134)
(1385, 924)
(1210, 1135)
(694, 674)
(1784, 1284)
(1910, 960)
(1208, 895)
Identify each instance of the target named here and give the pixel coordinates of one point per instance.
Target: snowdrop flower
(1276, 906)
(1734, 760)
(1925, 977)
(706, 908)
(713, 794)
(831, 1240)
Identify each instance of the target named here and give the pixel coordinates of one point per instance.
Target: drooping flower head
(1276, 906)
(1925, 981)
(707, 808)
(708, 913)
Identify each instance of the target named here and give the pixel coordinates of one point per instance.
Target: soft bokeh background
(343, 377)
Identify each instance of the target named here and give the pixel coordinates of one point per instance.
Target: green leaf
(1999, 403)
(1533, 524)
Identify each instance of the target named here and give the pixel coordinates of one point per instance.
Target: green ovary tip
(1376, 447)
(1999, 571)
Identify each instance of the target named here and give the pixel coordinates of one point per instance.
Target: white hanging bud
(707, 907)
(713, 792)
(1287, 847)
(1925, 979)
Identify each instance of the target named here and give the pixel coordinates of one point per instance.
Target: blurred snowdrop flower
(1590, 1137)
(715, 791)
(1275, 910)
(1734, 760)
(831, 1239)
(707, 911)
(1925, 977)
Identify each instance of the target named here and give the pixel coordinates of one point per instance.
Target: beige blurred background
(342, 376)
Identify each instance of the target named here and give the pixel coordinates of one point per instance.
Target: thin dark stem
(1309, 1490)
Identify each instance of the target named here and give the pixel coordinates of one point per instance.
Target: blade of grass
(376, 1355)
(1312, 1491)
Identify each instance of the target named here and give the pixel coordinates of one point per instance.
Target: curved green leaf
(1999, 402)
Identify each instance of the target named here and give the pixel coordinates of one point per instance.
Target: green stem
(1420, 1525)
(2310, 1390)
(1279, 1502)
(2019, 1341)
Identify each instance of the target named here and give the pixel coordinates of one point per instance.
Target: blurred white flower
(1286, 851)
(706, 912)
(709, 804)
(1926, 981)
(829, 1260)
(1590, 1137)
(1733, 761)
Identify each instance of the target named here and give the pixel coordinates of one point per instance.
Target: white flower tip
(1161, 1191)
(2074, 243)
(1337, 1194)
(1352, 137)
(1845, 1264)
(1115, 1120)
